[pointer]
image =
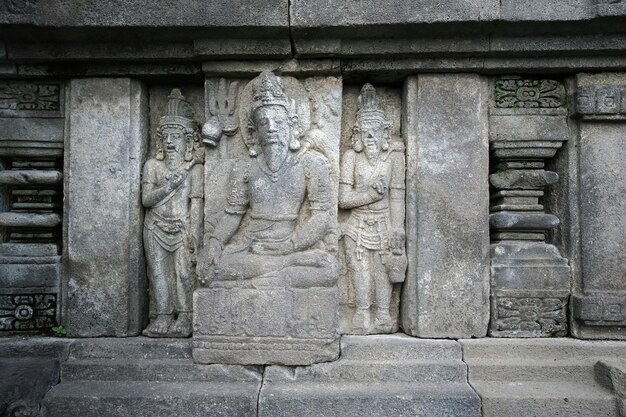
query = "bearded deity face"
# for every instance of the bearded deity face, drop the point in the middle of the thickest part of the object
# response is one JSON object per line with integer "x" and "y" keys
{"x": 372, "y": 135}
{"x": 173, "y": 138}
{"x": 273, "y": 130}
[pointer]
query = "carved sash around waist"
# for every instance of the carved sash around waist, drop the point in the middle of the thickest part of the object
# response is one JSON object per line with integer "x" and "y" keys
{"x": 170, "y": 233}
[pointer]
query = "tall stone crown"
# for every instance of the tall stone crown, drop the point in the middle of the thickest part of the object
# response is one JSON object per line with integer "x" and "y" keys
{"x": 368, "y": 106}
{"x": 269, "y": 91}
{"x": 178, "y": 111}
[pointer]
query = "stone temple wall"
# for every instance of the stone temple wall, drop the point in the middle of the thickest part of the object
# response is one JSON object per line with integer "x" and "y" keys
{"x": 313, "y": 208}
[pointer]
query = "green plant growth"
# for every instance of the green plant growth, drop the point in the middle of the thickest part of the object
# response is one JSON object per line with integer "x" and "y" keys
{"x": 59, "y": 331}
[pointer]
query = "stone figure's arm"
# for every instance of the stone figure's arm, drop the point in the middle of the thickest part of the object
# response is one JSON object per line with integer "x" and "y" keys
{"x": 226, "y": 228}
{"x": 348, "y": 197}
{"x": 396, "y": 202}
{"x": 228, "y": 224}
{"x": 152, "y": 193}
{"x": 318, "y": 191}
{"x": 196, "y": 210}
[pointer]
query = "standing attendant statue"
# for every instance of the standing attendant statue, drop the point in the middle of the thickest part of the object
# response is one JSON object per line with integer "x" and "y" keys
{"x": 172, "y": 193}
{"x": 372, "y": 188}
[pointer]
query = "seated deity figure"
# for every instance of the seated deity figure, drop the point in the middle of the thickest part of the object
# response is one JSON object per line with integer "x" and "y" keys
{"x": 172, "y": 193}
{"x": 371, "y": 186}
{"x": 268, "y": 194}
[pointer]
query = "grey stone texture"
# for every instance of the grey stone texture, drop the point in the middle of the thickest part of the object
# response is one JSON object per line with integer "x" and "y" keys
{"x": 104, "y": 273}
{"x": 149, "y": 377}
{"x": 28, "y": 368}
{"x": 611, "y": 374}
{"x": 542, "y": 377}
{"x": 447, "y": 286}
{"x": 269, "y": 18}
{"x": 376, "y": 375}
{"x": 599, "y": 296}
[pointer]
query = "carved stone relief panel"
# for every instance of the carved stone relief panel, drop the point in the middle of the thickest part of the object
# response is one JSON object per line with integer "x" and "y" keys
{"x": 31, "y": 198}
{"x": 529, "y": 277}
{"x": 371, "y": 199}
{"x": 172, "y": 194}
{"x": 269, "y": 263}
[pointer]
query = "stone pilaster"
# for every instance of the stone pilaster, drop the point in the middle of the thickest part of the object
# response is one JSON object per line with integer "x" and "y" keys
{"x": 529, "y": 278}
{"x": 104, "y": 271}
{"x": 445, "y": 294}
{"x": 599, "y": 295}
{"x": 31, "y": 164}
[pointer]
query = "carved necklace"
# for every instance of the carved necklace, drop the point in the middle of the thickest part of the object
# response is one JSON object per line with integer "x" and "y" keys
{"x": 273, "y": 176}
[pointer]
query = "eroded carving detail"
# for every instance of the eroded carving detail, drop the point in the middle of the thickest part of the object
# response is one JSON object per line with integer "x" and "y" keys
{"x": 222, "y": 103}
{"x": 545, "y": 316}
{"x": 372, "y": 188}
{"x": 27, "y": 311}
{"x": 606, "y": 102}
{"x": 600, "y": 310}
{"x": 172, "y": 192}
{"x": 516, "y": 93}
{"x": 21, "y": 95}
{"x": 21, "y": 6}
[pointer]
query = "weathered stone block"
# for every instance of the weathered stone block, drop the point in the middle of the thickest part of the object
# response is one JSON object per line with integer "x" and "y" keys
{"x": 602, "y": 214}
{"x": 103, "y": 257}
{"x": 376, "y": 375}
{"x": 273, "y": 325}
{"x": 447, "y": 206}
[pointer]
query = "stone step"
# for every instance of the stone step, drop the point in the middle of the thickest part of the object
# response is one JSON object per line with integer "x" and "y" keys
{"x": 390, "y": 375}
{"x": 547, "y": 399}
{"x": 130, "y": 348}
{"x": 309, "y": 399}
{"x": 535, "y": 349}
{"x": 397, "y": 347}
{"x": 508, "y": 370}
{"x": 374, "y": 371}
{"x": 152, "y": 399}
{"x": 156, "y": 370}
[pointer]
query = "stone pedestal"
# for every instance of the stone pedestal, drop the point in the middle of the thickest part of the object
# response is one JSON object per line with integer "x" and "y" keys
{"x": 529, "y": 278}
{"x": 105, "y": 284}
{"x": 445, "y": 123}
{"x": 599, "y": 296}
{"x": 290, "y": 326}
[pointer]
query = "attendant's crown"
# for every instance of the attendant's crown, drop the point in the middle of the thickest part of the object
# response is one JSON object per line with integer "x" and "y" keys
{"x": 368, "y": 106}
{"x": 178, "y": 111}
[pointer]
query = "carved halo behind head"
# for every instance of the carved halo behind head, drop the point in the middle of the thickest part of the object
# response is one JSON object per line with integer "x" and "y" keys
{"x": 270, "y": 90}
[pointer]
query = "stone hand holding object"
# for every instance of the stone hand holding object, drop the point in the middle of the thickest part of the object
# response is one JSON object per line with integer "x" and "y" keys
{"x": 212, "y": 131}
{"x": 380, "y": 185}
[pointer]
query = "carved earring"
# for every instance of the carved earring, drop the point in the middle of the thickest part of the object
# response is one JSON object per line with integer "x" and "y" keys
{"x": 294, "y": 144}
{"x": 160, "y": 155}
{"x": 385, "y": 144}
{"x": 189, "y": 148}
{"x": 357, "y": 145}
